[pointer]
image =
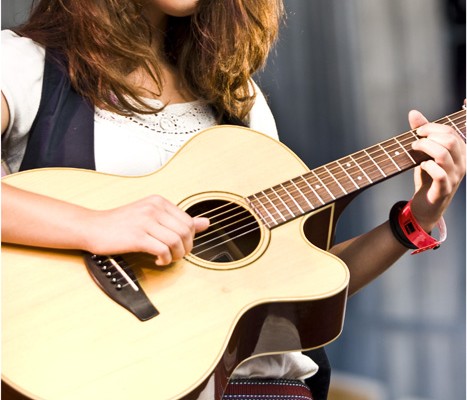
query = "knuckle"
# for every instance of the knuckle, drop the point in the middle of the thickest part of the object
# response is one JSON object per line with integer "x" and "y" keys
{"x": 164, "y": 254}
{"x": 173, "y": 242}
{"x": 156, "y": 200}
{"x": 190, "y": 224}
{"x": 186, "y": 233}
{"x": 451, "y": 142}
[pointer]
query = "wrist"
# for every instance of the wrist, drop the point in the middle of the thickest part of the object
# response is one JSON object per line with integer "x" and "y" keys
{"x": 408, "y": 231}
{"x": 426, "y": 222}
{"x": 85, "y": 232}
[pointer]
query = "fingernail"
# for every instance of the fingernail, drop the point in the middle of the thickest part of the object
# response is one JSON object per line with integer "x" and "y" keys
{"x": 421, "y": 131}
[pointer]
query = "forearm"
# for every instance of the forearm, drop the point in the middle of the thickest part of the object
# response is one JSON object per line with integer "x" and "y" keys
{"x": 35, "y": 220}
{"x": 369, "y": 255}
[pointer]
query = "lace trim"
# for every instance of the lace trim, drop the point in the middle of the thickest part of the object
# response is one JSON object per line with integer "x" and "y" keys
{"x": 173, "y": 126}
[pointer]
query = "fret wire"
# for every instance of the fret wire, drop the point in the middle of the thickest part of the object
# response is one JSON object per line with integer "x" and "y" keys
{"x": 323, "y": 185}
{"x": 374, "y": 162}
{"x": 265, "y": 209}
{"x": 370, "y": 158}
{"x": 394, "y": 145}
{"x": 401, "y": 141}
{"x": 350, "y": 177}
{"x": 361, "y": 169}
{"x": 398, "y": 141}
{"x": 357, "y": 160}
{"x": 348, "y": 167}
{"x": 373, "y": 159}
{"x": 283, "y": 202}
{"x": 273, "y": 205}
{"x": 405, "y": 150}
{"x": 456, "y": 127}
{"x": 332, "y": 176}
{"x": 414, "y": 134}
{"x": 382, "y": 147}
{"x": 313, "y": 190}
{"x": 303, "y": 195}
{"x": 292, "y": 198}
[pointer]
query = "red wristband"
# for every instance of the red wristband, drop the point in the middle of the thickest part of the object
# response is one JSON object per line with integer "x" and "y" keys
{"x": 415, "y": 233}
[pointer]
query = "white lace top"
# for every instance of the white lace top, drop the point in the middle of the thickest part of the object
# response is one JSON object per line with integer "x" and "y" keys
{"x": 154, "y": 137}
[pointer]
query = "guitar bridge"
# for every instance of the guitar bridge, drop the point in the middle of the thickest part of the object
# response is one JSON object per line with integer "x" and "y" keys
{"x": 113, "y": 275}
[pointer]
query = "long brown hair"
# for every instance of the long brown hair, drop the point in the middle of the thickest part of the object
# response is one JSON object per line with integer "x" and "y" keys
{"x": 216, "y": 50}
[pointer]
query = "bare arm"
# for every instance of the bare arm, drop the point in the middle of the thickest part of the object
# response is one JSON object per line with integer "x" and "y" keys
{"x": 152, "y": 225}
{"x": 5, "y": 114}
{"x": 369, "y": 255}
{"x": 436, "y": 182}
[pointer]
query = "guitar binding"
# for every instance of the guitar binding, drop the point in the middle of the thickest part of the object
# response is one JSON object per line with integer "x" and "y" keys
{"x": 118, "y": 281}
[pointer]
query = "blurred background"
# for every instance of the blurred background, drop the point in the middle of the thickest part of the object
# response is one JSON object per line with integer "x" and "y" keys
{"x": 343, "y": 77}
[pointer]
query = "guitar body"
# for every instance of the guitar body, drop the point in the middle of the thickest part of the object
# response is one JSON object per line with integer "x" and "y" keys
{"x": 64, "y": 338}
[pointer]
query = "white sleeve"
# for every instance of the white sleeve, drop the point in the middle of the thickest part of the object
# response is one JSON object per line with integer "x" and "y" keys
{"x": 260, "y": 117}
{"x": 22, "y": 71}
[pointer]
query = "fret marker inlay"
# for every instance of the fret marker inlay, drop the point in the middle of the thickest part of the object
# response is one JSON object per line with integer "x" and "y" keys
{"x": 330, "y": 182}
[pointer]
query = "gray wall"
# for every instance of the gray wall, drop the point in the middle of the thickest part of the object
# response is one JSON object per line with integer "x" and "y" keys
{"x": 343, "y": 77}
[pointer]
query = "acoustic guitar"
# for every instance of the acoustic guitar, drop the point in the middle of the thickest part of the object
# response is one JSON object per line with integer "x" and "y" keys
{"x": 258, "y": 281}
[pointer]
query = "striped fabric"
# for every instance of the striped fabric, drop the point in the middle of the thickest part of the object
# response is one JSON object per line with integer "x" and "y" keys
{"x": 265, "y": 389}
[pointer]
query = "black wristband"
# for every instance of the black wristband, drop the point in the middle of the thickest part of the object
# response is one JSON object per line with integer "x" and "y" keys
{"x": 395, "y": 227}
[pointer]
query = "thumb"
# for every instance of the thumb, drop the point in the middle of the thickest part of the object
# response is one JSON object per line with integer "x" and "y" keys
{"x": 416, "y": 119}
{"x": 201, "y": 224}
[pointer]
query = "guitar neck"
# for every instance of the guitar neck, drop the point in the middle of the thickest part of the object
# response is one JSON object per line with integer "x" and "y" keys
{"x": 330, "y": 182}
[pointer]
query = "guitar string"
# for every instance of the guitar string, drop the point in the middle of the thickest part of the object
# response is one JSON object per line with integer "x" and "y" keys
{"x": 339, "y": 162}
{"x": 254, "y": 222}
{"x": 327, "y": 167}
{"x": 210, "y": 232}
{"x": 226, "y": 241}
{"x": 121, "y": 280}
{"x": 230, "y": 239}
{"x": 343, "y": 172}
{"x": 221, "y": 222}
{"x": 244, "y": 211}
{"x": 396, "y": 144}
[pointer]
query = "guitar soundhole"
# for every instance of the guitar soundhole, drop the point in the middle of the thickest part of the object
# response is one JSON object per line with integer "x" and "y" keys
{"x": 233, "y": 233}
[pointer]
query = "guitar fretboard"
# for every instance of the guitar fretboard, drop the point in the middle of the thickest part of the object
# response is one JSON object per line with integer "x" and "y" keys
{"x": 332, "y": 181}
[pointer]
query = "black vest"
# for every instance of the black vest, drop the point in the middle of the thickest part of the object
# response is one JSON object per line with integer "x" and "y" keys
{"x": 62, "y": 134}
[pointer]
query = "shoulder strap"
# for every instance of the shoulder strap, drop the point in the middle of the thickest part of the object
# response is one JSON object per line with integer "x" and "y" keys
{"x": 62, "y": 134}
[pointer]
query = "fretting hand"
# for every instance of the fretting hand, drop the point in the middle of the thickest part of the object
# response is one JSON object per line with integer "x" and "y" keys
{"x": 436, "y": 180}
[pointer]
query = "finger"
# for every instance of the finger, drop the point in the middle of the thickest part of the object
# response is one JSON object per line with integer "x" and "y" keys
{"x": 418, "y": 179}
{"x": 441, "y": 133}
{"x": 157, "y": 248}
{"x": 187, "y": 232}
{"x": 444, "y": 150}
{"x": 440, "y": 150}
{"x": 166, "y": 244}
{"x": 201, "y": 224}
{"x": 183, "y": 218}
{"x": 174, "y": 219}
{"x": 175, "y": 233}
{"x": 440, "y": 185}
